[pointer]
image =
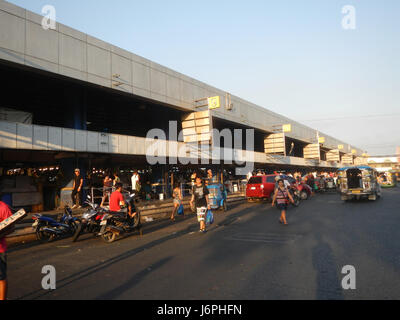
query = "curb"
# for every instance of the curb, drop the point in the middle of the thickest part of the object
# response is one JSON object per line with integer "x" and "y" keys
{"x": 150, "y": 213}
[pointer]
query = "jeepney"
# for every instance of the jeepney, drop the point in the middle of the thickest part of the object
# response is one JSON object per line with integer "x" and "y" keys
{"x": 359, "y": 183}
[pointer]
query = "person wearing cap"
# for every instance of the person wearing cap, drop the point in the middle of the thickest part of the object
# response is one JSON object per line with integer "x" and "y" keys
{"x": 77, "y": 189}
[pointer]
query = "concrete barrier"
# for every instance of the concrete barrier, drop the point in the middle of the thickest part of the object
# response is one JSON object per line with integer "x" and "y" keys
{"x": 156, "y": 210}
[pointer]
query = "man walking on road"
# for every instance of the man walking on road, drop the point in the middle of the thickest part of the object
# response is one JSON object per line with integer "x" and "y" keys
{"x": 5, "y": 213}
{"x": 201, "y": 202}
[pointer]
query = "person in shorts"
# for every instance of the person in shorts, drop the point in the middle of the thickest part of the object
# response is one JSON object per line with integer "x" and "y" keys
{"x": 107, "y": 189}
{"x": 282, "y": 197}
{"x": 177, "y": 196}
{"x": 201, "y": 202}
{"x": 5, "y": 213}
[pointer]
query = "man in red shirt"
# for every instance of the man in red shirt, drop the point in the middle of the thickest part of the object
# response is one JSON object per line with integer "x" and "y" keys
{"x": 5, "y": 213}
{"x": 117, "y": 199}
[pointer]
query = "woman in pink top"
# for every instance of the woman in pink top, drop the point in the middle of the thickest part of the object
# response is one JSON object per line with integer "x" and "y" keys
{"x": 282, "y": 197}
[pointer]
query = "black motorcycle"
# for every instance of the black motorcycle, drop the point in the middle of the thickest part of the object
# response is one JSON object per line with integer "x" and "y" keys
{"x": 90, "y": 221}
{"x": 295, "y": 193}
{"x": 115, "y": 224}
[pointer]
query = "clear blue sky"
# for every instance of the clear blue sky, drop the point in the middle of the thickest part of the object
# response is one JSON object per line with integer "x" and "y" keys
{"x": 292, "y": 57}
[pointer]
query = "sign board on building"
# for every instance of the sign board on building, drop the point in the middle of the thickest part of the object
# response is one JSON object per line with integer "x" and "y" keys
{"x": 287, "y": 128}
{"x": 214, "y": 102}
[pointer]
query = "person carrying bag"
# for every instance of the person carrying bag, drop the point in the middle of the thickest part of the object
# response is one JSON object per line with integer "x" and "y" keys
{"x": 282, "y": 197}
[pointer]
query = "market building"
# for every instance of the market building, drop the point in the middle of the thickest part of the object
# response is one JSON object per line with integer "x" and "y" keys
{"x": 71, "y": 100}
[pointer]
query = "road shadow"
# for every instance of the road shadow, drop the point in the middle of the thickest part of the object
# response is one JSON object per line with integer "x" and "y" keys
{"x": 328, "y": 283}
{"x": 81, "y": 274}
{"x": 132, "y": 282}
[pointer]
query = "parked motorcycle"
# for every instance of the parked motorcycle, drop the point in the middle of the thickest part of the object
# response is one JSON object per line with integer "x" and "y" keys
{"x": 48, "y": 229}
{"x": 90, "y": 221}
{"x": 320, "y": 185}
{"x": 115, "y": 224}
{"x": 295, "y": 193}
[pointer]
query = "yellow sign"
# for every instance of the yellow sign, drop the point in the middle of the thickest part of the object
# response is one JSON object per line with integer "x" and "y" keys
{"x": 287, "y": 128}
{"x": 214, "y": 102}
{"x": 321, "y": 140}
{"x": 340, "y": 147}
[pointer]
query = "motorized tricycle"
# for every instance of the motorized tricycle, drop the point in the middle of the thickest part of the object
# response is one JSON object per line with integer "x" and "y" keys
{"x": 359, "y": 182}
{"x": 218, "y": 196}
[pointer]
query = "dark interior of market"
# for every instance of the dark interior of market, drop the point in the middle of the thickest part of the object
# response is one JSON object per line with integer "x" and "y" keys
{"x": 64, "y": 102}
{"x": 59, "y": 101}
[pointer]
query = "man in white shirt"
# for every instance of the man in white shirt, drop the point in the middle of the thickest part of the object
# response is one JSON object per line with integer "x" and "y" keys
{"x": 135, "y": 181}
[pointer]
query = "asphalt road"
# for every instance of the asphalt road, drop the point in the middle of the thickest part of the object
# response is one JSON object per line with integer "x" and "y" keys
{"x": 246, "y": 255}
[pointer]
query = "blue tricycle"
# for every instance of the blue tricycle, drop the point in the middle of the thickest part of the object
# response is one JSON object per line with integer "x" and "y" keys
{"x": 218, "y": 196}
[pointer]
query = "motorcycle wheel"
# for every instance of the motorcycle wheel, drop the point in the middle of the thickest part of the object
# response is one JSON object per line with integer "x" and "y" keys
{"x": 42, "y": 235}
{"x": 136, "y": 222}
{"x": 303, "y": 195}
{"x": 296, "y": 201}
{"x": 108, "y": 237}
{"x": 78, "y": 232}
{"x": 72, "y": 228}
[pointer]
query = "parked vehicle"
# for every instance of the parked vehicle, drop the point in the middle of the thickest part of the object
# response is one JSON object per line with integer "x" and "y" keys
{"x": 115, "y": 224}
{"x": 388, "y": 180}
{"x": 396, "y": 174}
{"x": 304, "y": 189}
{"x": 330, "y": 185}
{"x": 320, "y": 184}
{"x": 90, "y": 221}
{"x": 48, "y": 229}
{"x": 260, "y": 187}
{"x": 218, "y": 196}
{"x": 359, "y": 182}
{"x": 295, "y": 195}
